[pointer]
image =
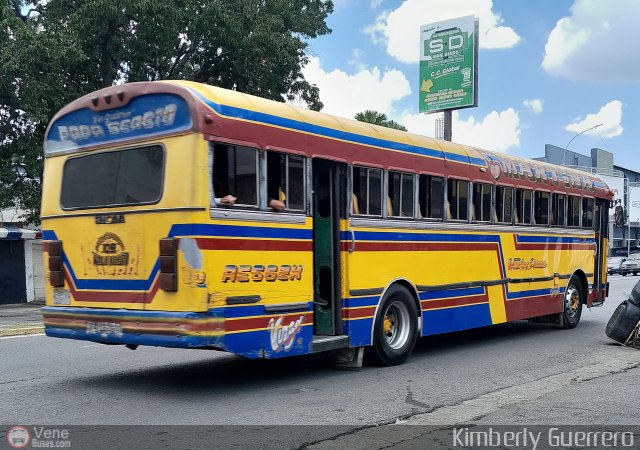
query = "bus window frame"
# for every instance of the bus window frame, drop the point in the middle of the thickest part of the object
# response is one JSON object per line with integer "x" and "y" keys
{"x": 448, "y": 203}
{"x": 554, "y": 196}
{"x": 259, "y": 188}
{"x": 443, "y": 196}
{"x": 582, "y": 212}
{"x": 579, "y": 197}
{"x": 351, "y": 185}
{"x": 533, "y": 207}
{"x": 495, "y": 201}
{"x": 402, "y": 174}
{"x": 515, "y": 209}
{"x": 264, "y": 195}
{"x": 473, "y": 206}
{"x": 71, "y": 156}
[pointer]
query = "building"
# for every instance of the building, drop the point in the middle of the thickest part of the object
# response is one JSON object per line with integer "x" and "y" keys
{"x": 625, "y": 183}
{"x": 21, "y": 260}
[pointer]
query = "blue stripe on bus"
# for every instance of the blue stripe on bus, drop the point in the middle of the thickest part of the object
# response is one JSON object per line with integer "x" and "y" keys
{"x": 438, "y": 321}
{"x": 451, "y": 293}
{"x": 269, "y": 119}
{"x": 553, "y": 239}
{"x": 354, "y": 302}
{"x": 239, "y": 231}
{"x": 420, "y": 237}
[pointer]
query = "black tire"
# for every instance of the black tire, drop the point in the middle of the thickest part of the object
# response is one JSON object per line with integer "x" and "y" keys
{"x": 624, "y": 274}
{"x": 635, "y": 274}
{"x": 572, "y": 303}
{"x": 395, "y": 328}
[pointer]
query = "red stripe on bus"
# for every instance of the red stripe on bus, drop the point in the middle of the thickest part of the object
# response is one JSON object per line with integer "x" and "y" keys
{"x": 419, "y": 246}
{"x": 254, "y": 244}
{"x": 358, "y": 313}
{"x": 252, "y": 323}
{"x": 451, "y": 302}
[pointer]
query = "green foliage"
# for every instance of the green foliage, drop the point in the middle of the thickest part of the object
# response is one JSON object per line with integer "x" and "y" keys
{"x": 56, "y": 52}
{"x": 378, "y": 118}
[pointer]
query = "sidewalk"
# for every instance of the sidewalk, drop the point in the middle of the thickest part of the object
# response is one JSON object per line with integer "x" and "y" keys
{"x": 21, "y": 318}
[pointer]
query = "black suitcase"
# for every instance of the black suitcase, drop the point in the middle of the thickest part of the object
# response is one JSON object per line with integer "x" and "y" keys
{"x": 623, "y": 321}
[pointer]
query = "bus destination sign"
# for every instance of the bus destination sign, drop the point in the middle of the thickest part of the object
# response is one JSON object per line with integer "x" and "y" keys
{"x": 147, "y": 115}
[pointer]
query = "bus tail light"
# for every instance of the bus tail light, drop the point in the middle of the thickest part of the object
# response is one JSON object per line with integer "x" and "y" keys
{"x": 56, "y": 274}
{"x": 168, "y": 264}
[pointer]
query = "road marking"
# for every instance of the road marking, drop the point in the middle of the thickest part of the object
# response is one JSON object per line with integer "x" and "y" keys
{"x": 21, "y": 336}
{"x": 468, "y": 410}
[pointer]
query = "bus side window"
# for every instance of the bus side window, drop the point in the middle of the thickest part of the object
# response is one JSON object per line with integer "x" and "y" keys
{"x": 235, "y": 172}
{"x": 541, "y": 204}
{"x": 558, "y": 210}
{"x": 366, "y": 197}
{"x": 587, "y": 212}
{"x": 286, "y": 181}
{"x": 431, "y": 197}
{"x": 481, "y": 198}
{"x": 523, "y": 207}
{"x": 504, "y": 197}
{"x": 457, "y": 196}
{"x": 573, "y": 216}
{"x": 400, "y": 194}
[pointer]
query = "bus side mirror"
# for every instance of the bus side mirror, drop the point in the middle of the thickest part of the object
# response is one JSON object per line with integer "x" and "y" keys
{"x": 618, "y": 216}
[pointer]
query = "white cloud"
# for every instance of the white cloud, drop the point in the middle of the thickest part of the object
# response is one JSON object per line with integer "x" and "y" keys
{"x": 498, "y": 131}
{"x": 376, "y": 3}
{"x": 535, "y": 105}
{"x": 345, "y": 94}
{"x": 376, "y": 30}
{"x": 401, "y": 29}
{"x": 609, "y": 117}
{"x": 597, "y": 42}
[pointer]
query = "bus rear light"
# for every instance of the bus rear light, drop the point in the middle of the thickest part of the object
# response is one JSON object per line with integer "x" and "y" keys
{"x": 56, "y": 276}
{"x": 168, "y": 264}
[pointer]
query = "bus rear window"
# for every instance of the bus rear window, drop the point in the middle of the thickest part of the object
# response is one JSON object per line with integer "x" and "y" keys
{"x": 123, "y": 177}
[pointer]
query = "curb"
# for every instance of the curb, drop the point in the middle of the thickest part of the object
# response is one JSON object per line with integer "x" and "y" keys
{"x": 21, "y": 331}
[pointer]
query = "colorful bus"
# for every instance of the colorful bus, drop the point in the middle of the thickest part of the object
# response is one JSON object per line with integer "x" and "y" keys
{"x": 178, "y": 214}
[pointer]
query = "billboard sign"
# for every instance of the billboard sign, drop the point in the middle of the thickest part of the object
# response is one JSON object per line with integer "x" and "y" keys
{"x": 448, "y": 64}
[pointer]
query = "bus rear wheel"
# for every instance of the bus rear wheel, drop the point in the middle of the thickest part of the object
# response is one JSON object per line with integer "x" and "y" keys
{"x": 395, "y": 328}
{"x": 573, "y": 300}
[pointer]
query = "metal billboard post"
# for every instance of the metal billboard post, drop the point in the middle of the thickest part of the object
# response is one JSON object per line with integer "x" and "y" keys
{"x": 447, "y": 125}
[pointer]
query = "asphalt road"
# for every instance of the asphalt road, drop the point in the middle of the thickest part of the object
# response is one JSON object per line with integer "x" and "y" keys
{"x": 508, "y": 374}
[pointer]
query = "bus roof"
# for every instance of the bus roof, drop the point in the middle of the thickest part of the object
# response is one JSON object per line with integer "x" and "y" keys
{"x": 140, "y": 111}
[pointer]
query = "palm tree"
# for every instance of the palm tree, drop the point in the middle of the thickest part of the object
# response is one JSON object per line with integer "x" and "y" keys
{"x": 378, "y": 118}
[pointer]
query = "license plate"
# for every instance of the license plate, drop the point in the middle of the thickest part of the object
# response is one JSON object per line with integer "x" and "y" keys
{"x": 104, "y": 328}
{"x": 61, "y": 297}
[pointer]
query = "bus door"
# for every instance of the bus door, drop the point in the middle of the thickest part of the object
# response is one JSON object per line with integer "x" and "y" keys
{"x": 602, "y": 230}
{"x": 329, "y": 194}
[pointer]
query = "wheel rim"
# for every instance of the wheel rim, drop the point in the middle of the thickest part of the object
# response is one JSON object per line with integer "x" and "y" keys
{"x": 395, "y": 322}
{"x": 572, "y": 302}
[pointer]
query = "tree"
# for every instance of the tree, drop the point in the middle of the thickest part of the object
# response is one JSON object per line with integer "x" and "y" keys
{"x": 56, "y": 51}
{"x": 378, "y": 118}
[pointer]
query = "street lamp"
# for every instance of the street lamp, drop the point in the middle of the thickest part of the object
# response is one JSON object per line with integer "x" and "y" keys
{"x": 564, "y": 156}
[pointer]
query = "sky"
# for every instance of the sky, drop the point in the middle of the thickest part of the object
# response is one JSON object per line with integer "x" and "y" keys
{"x": 548, "y": 70}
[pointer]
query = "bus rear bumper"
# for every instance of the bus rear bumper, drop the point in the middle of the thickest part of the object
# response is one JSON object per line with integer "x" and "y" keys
{"x": 121, "y": 326}
{"x": 251, "y": 331}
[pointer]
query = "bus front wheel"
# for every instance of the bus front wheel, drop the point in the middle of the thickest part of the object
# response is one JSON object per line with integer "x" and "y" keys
{"x": 395, "y": 328}
{"x": 573, "y": 299}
